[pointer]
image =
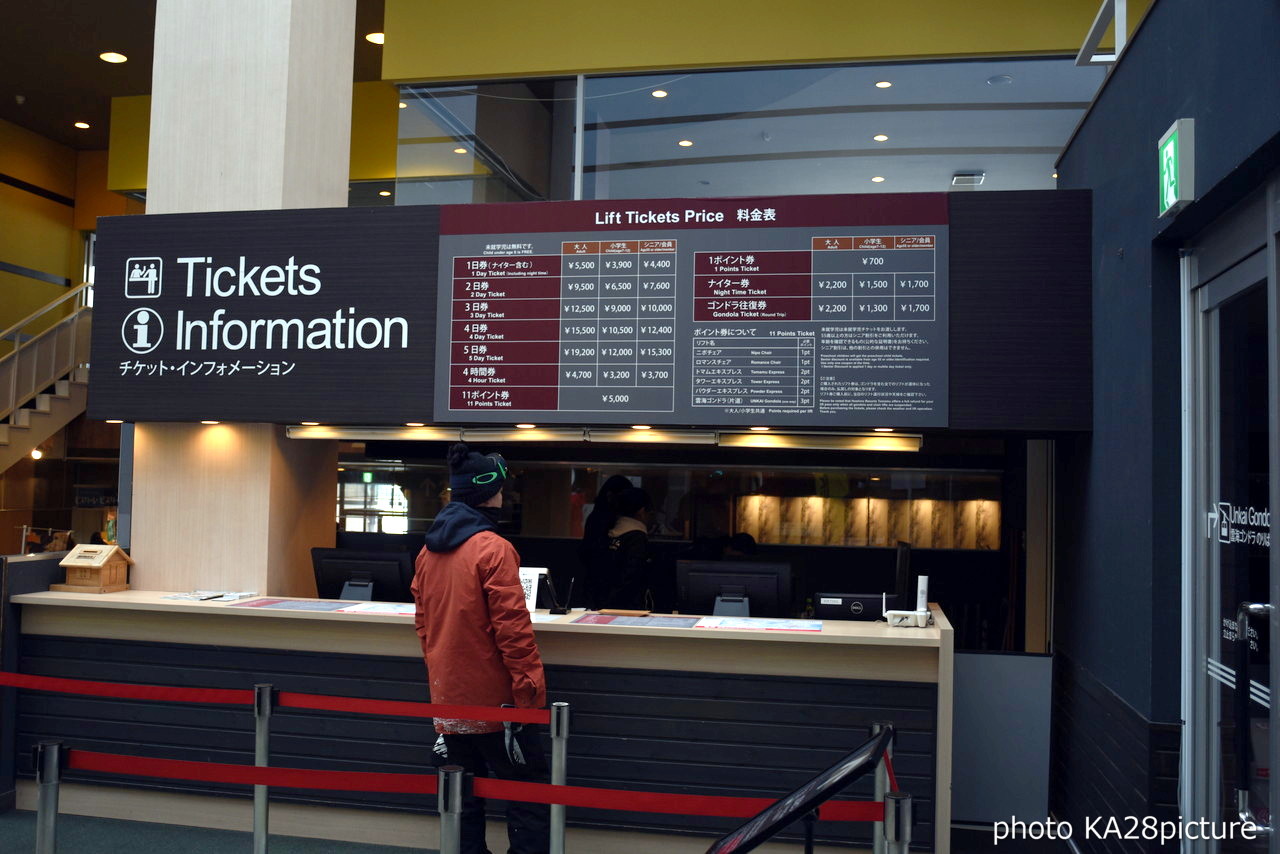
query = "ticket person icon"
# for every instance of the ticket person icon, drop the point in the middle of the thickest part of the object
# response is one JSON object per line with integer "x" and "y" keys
{"x": 142, "y": 278}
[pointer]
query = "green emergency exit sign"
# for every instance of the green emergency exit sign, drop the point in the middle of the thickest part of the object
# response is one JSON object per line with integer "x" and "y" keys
{"x": 1177, "y": 166}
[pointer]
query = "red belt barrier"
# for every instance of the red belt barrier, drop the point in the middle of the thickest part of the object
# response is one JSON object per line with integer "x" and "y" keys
{"x": 662, "y": 802}
{"x": 893, "y": 778}
{"x": 538, "y": 793}
{"x": 289, "y": 778}
{"x": 225, "y": 696}
{"x": 242, "y": 697}
{"x": 402, "y": 708}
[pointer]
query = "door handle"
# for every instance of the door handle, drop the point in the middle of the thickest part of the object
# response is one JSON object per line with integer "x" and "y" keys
{"x": 1243, "y": 613}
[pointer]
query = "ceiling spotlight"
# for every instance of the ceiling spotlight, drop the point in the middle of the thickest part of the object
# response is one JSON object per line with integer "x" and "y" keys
{"x": 1055, "y": 174}
{"x": 641, "y": 427}
{"x": 384, "y": 192}
{"x": 414, "y": 424}
{"x": 879, "y": 179}
{"x": 883, "y": 84}
{"x": 759, "y": 429}
{"x": 376, "y": 38}
{"x": 310, "y": 423}
{"x": 36, "y": 453}
{"x": 459, "y": 151}
{"x": 880, "y": 137}
{"x": 114, "y": 421}
{"x": 113, "y": 57}
{"x": 82, "y": 125}
{"x": 685, "y": 143}
{"x": 659, "y": 93}
{"x": 403, "y": 105}
{"x": 525, "y": 426}
{"x": 210, "y": 422}
{"x": 884, "y": 429}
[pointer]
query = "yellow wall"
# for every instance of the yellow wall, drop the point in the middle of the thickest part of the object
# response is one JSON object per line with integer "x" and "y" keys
{"x": 130, "y": 130}
{"x": 447, "y": 41}
{"x": 35, "y": 232}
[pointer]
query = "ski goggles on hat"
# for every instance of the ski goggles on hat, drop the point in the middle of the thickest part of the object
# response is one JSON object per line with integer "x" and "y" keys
{"x": 500, "y": 473}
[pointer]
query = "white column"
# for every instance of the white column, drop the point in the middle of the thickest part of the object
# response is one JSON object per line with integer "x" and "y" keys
{"x": 250, "y": 110}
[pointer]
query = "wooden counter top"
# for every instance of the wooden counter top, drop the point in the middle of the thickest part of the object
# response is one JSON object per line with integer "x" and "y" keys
{"x": 833, "y": 631}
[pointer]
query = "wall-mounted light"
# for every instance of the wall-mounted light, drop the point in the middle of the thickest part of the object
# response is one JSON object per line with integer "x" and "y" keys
{"x": 376, "y": 38}
{"x": 113, "y": 57}
{"x": 36, "y": 453}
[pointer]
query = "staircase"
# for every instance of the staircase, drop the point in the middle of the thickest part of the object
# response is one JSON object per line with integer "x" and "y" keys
{"x": 44, "y": 379}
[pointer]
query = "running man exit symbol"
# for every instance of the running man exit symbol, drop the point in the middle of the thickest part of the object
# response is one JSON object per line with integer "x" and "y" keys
{"x": 142, "y": 277}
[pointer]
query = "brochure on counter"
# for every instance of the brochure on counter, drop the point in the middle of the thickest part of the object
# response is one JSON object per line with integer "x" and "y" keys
{"x": 759, "y": 624}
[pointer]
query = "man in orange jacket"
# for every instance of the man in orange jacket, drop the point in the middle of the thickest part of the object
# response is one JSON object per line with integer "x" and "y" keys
{"x": 478, "y": 643}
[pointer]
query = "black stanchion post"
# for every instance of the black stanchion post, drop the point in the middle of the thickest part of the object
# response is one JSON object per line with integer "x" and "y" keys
{"x": 881, "y": 787}
{"x": 451, "y": 779}
{"x": 810, "y": 819}
{"x": 559, "y": 762}
{"x": 897, "y": 822}
{"x": 48, "y": 760}
{"x": 264, "y": 700}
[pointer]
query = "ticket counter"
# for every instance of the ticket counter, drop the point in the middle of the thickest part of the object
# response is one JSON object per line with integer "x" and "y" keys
{"x": 702, "y": 711}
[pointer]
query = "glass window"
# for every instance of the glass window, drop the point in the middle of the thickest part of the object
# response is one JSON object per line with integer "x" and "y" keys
{"x": 829, "y": 129}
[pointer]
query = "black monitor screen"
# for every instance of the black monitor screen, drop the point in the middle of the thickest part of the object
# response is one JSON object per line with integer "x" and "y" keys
{"x": 766, "y": 585}
{"x": 390, "y": 572}
{"x": 902, "y": 573}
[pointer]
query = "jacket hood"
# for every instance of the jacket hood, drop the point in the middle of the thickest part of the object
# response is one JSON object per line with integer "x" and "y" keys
{"x": 455, "y": 524}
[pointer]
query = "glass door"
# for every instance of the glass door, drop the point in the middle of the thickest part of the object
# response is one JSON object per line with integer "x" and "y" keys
{"x": 1236, "y": 554}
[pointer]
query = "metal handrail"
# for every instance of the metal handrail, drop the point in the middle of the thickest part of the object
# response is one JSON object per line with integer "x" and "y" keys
{"x": 78, "y": 289}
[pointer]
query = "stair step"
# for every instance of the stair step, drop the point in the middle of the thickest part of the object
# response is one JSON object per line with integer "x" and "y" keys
{"x": 44, "y": 403}
{"x": 80, "y": 375}
{"x": 4, "y": 434}
{"x": 62, "y": 388}
{"x": 22, "y": 417}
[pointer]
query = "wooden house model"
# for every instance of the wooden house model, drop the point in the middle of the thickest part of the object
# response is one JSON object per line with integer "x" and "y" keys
{"x": 95, "y": 569}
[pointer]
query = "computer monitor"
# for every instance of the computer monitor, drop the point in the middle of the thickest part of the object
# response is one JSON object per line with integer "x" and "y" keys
{"x": 363, "y": 576}
{"x": 766, "y": 586}
{"x": 902, "y": 574}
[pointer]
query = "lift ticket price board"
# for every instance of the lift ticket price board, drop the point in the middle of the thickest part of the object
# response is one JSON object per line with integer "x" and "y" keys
{"x": 793, "y": 311}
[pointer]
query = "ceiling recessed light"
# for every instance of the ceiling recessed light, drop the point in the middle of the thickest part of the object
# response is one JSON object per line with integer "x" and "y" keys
{"x": 884, "y": 429}
{"x": 403, "y": 105}
{"x": 685, "y": 143}
{"x": 641, "y": 427}
{"x": 968, "y": 179}
{"x": 880, "y": 137}
{"x": 114, "y": 421}
{"x": 376, "y": 38}
{"x": 875, "y": 478}
{"x": 525, "y": 426}
{"x": 36, "y": 453}
{"x": 877, "y": 180}
{"x": 210, "y": 422}
{"x": 883, "y": 84}
{"x": 310, "y": 423}
{"x": 414, "y": 424}
{"x": 1000, "y": 80}
{"x": 113, "y": 57}
{"x": 659, "y": 93}
{"x": 459, "y": 151}
{"x": 1055, "y": 174}
{"x": 82, "y": 125}
{"x": 384, "y": 192}
{"x": 760, "y": 429}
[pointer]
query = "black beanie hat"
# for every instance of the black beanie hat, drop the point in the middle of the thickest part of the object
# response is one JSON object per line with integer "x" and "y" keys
{"x": 475, "y": 478}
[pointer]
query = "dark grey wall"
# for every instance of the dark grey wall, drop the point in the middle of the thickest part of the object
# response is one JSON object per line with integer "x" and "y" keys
{"x": 1118, "y": 583}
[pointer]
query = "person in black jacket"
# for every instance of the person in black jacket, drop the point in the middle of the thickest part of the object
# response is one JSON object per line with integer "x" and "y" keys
{"x": 593, "y": 550}
{"x": 626, "y": 562}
